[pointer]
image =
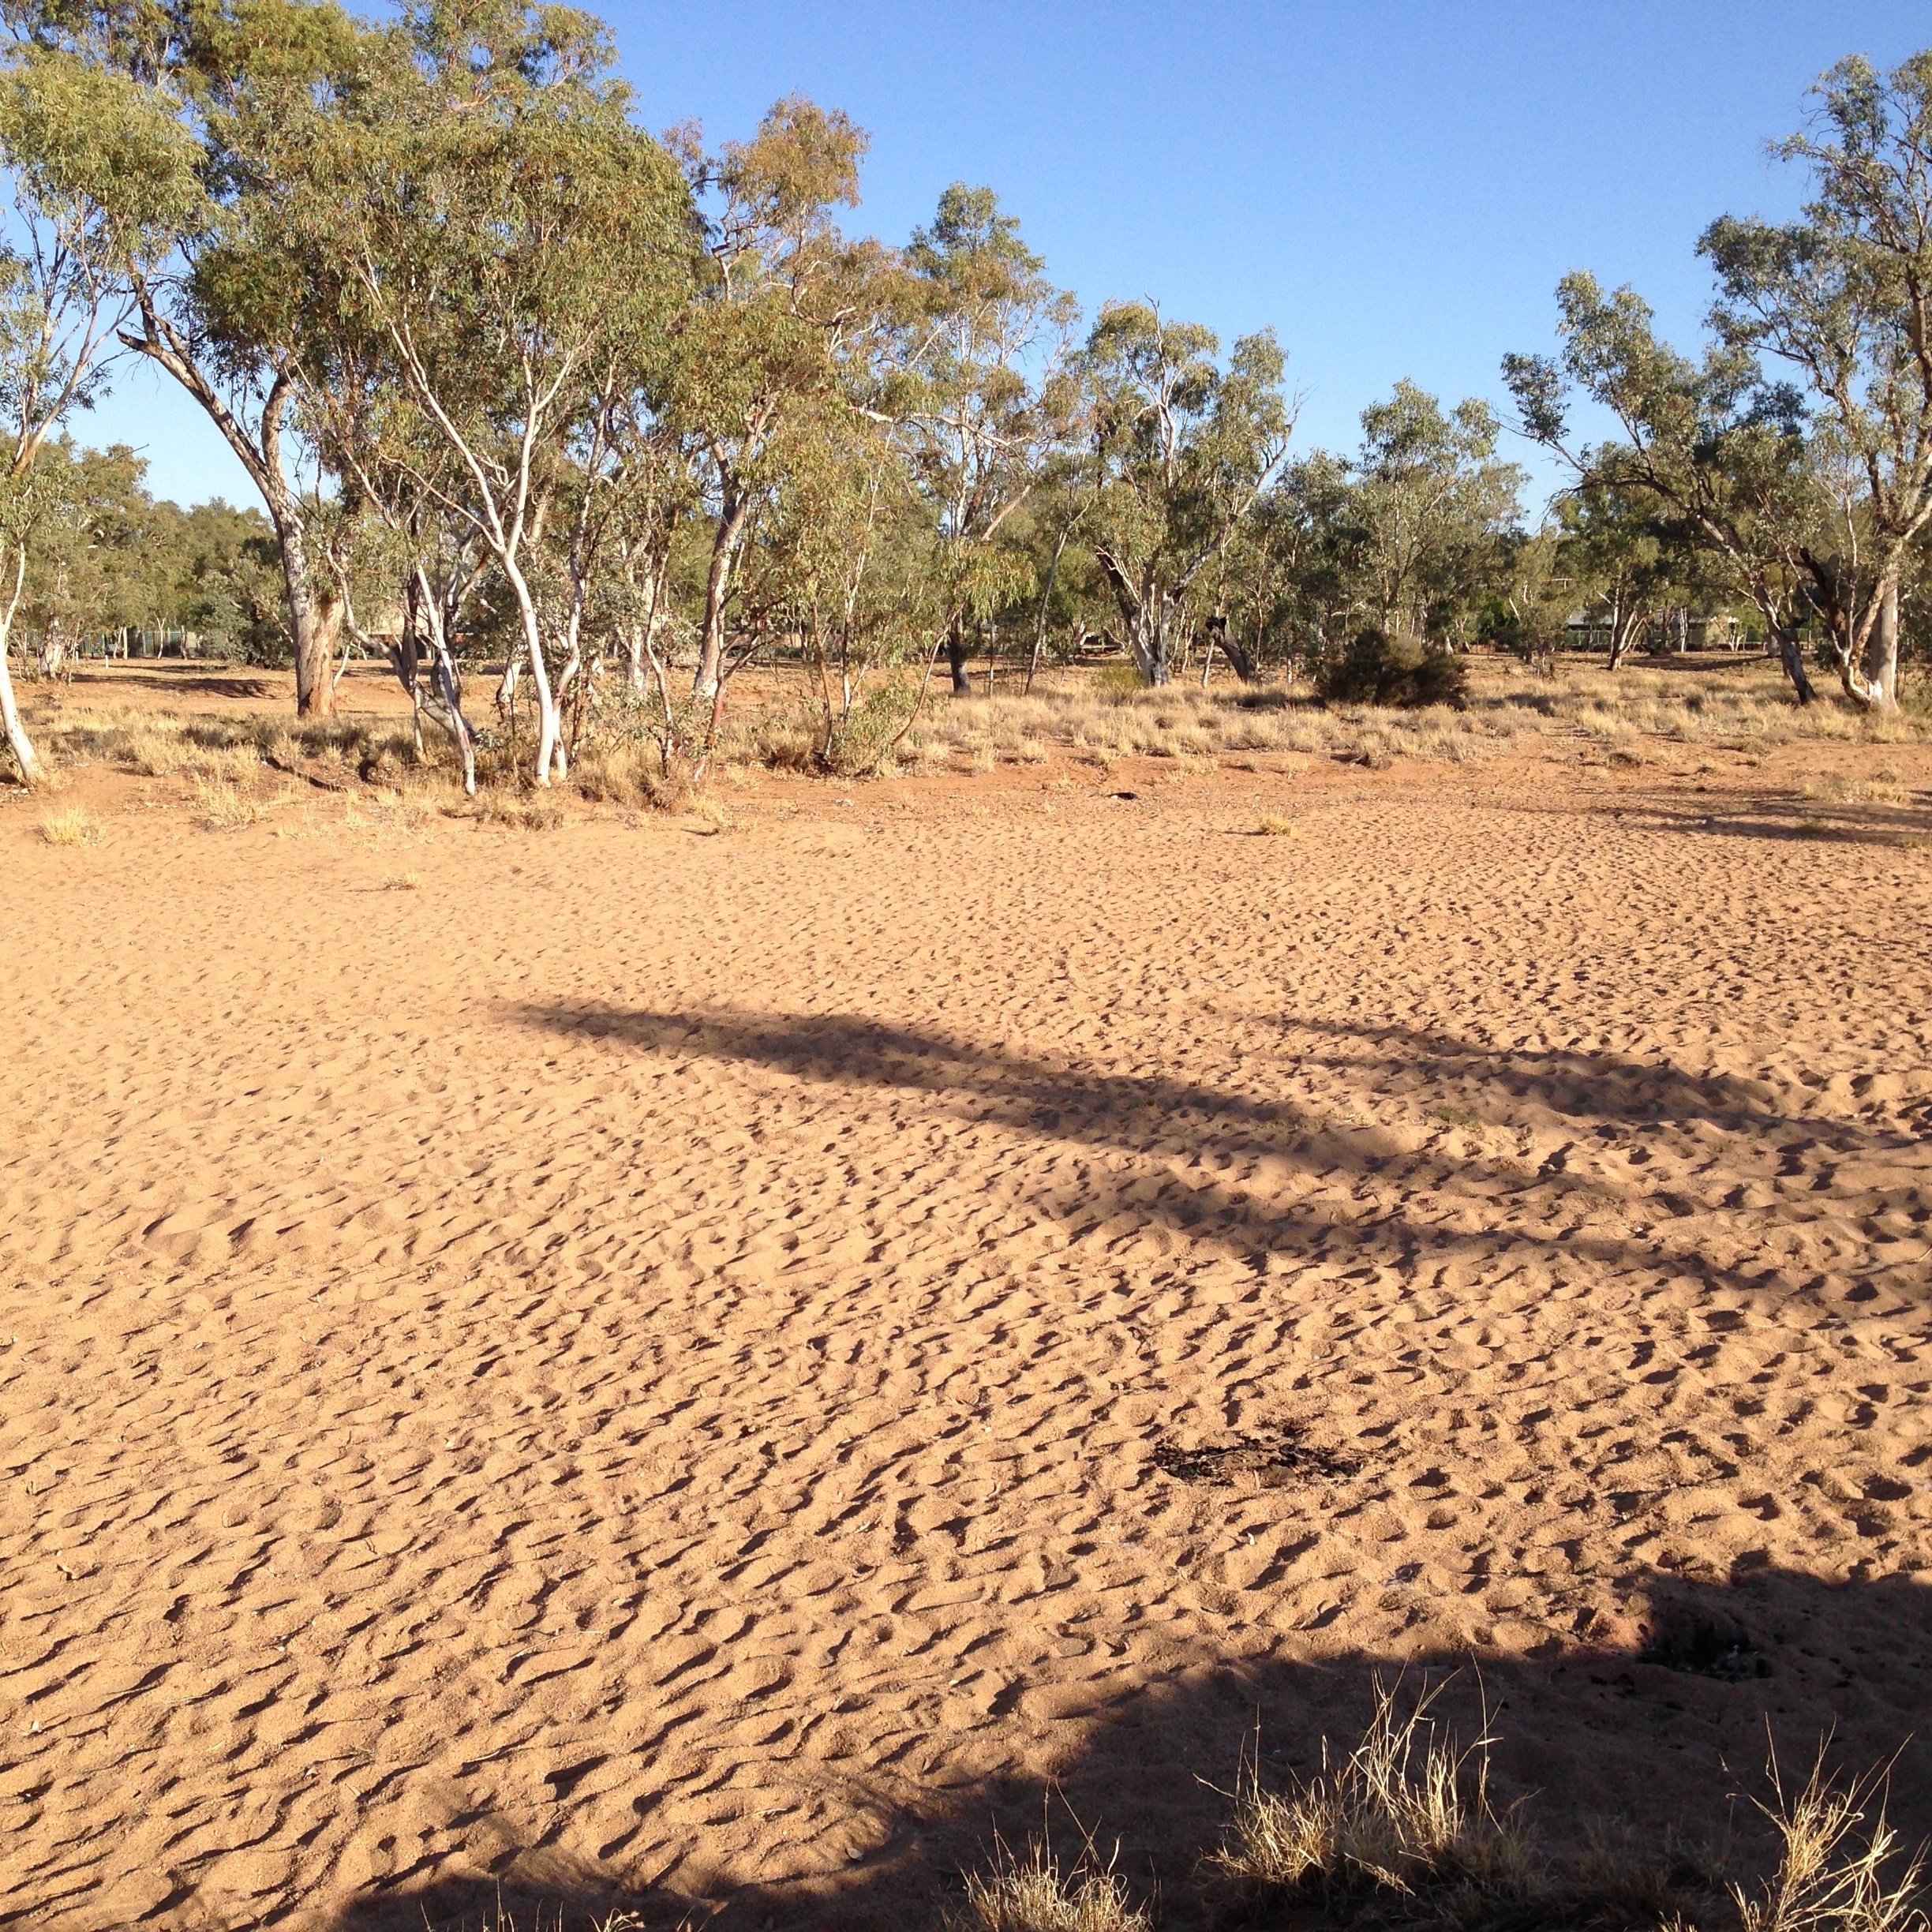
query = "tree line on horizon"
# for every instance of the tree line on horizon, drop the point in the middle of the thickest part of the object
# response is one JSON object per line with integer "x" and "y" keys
{"x": 514, "y": 378}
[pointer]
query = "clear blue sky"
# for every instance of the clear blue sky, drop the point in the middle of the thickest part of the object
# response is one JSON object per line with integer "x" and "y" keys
{"x": 1395, "y": 185}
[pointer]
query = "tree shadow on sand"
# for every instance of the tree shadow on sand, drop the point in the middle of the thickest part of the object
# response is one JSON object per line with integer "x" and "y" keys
{"x": 1660, "y": 1727}
{"x": 188, "y": 680}
{"x": 1560, "y": 1209}
{"x": 1792, "y": 819}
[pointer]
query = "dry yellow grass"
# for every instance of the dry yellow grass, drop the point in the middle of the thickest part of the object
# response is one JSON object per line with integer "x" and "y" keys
{"x": 1029, "y": 1893}
{"x": 71, "y": 827}
{"x": 517, "y": 814}
{"x": 1107, "y": 718}
{"x": 221, "y": 806}
{"x": 1403, "y": 1832}
{"x": 1839, "y": 1868}
{"x": 1408, "y": 1813}
{"x": 1100, "y": 715}
{"x": 1882, "y": 789}
{"x": 715, "y": 813}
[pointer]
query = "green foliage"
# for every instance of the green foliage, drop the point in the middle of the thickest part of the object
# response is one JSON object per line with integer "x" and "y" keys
{"x": 1376, "y": 669}
{"x": 565, "y": 391}
{"x": 1435, "y": 509}
{"x": 107, "y": 556}
{"x": 1182, "y": 448}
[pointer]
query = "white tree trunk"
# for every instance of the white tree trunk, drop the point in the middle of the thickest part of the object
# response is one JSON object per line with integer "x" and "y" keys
{"x": 32, "y": 770}
{"x": 1882, "y": 647}
{"x": 550, "y": 753}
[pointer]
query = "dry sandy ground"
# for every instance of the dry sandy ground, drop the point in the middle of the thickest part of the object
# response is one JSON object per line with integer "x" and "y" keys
{"x": 661, "y": 1366}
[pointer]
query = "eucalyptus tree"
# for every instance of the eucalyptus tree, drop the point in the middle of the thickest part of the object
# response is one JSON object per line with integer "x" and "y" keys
{"x": 652, "y": 488}
{"x": 102, "y": 557}
{"x": 101, "y": 184}
{"x": 789, "y": 314}
{"x": 1289, "y": 572}
{"x": 1433, "y": 506}
{"x": 845, "y": 556}
{"x": 1181, "y": 449}
{"x": 1619, "y": 557}
{"x": 1844, "y": 295}
{"x": 479, "y": 210}
{"x": 985, "y": 397}
{"x": 1057, "y": 507}
{"x": 1718, "y": 451}
{"x": 396, "y": 551}
{"x": 202, "y": 310}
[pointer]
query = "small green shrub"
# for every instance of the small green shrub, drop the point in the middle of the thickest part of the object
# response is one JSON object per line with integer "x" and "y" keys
{"x": 1378, "y": 669}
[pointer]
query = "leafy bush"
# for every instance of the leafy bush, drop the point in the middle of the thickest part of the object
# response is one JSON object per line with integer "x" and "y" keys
{"x": 1378, "y": 669}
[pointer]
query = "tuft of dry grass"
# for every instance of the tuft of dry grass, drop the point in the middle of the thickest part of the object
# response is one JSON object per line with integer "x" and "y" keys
{"x": 220, "y": 807}
{"x": 389, "y": 812}
{"x": 1404, "y": 1832}
{"x": 500, "y": 1918}
{"x": 1277, "y": 827}
{"x": 1882, "y": 789}
{"x": 715, "y": 813}
{"x": 72, "y": 827}
{"x": 1406, "y": 1815}
{"x": 1029, "y": 1892}
{"x": 402, "y": 882}
{"x": 1838, "y": 1867}
{"x": 516, "y": 813}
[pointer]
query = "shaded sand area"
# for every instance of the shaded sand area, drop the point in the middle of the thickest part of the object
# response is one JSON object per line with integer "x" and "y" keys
{"x": 674, "y": 1367}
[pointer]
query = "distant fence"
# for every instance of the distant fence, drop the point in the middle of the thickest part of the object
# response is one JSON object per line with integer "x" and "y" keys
{"x": 143, "y": 644}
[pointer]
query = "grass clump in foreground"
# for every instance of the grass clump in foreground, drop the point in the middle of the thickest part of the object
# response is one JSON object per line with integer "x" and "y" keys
{"x": 220, "y": 807}
{"x": 1404, "y": 1833}
{"x": 1402, "y": 1830}
{"x": 1838, "y": 1872}
{"x": 71, "y": 827}
{"x": 1029, "y": 1892}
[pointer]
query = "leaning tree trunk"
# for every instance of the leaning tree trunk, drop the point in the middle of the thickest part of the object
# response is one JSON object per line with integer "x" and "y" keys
{"x": 1222, "y": 633}
{"x": 1792, "y": 657}
{"x": 31, "y": 771}
{"x": 448, "y": 711}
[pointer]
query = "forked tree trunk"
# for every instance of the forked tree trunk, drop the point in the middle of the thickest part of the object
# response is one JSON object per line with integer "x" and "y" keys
{"x": 1148, "y": 641}
{"x": 1624, "y": 623}
{"x": 724, "y": 546}
{"x": 313, "y": 621}
{"x": 405, "y": 660}
{"x": 955, "y": 661}
{"x": 448, "y": 711}
{"x": 640, "y": 640}
{"x": 551, "y": 755}
{"x": 311, "y": 629}
{"x": 1882, "y": 650}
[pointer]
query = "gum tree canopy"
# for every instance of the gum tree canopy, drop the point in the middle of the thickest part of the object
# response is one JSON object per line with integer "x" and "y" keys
{"x": 1843, "y": 295}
